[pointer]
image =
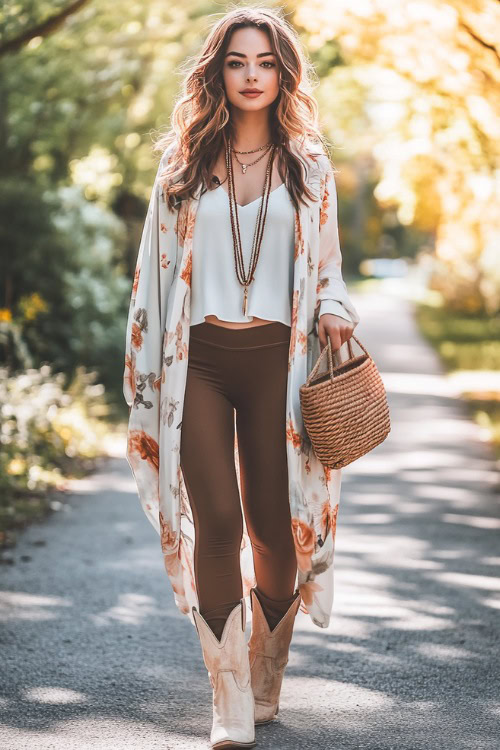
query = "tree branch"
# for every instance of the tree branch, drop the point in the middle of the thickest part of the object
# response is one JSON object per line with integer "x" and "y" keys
{"x": 478, "y": 39}
{"x": 43, "y": 29}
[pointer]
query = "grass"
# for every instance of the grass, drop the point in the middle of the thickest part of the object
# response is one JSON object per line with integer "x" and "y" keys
{"x": 470, "y": 343}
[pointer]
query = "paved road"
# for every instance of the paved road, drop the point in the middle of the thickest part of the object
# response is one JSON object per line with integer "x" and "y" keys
{"x": 94, "y": 653}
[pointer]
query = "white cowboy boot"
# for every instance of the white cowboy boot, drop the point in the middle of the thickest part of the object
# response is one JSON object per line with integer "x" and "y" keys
{"x": 268, "y": 653}
{"x": 229, "y": 673}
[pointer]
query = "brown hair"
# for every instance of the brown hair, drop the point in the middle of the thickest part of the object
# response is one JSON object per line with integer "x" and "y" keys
{"x": 200, "y": 121}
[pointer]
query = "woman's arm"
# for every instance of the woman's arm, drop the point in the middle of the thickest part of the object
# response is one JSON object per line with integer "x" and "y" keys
{"x": 332, "y": 294}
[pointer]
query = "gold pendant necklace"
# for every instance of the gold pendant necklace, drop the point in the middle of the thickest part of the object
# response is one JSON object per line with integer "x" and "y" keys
{"x": 244, "y": 167}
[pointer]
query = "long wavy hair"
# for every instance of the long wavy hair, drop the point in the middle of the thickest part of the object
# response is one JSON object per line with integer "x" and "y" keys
{"x": 201, "y": 123}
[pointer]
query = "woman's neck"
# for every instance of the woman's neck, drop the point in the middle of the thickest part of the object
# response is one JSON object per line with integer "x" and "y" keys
{"x": 251, "y": 130}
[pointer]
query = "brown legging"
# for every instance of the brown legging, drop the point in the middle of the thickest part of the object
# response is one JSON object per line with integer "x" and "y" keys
{"x": 245, "y": 370}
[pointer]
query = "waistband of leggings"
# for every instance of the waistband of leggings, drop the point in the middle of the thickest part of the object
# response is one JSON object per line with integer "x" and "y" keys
{"x": 251, "y": 337}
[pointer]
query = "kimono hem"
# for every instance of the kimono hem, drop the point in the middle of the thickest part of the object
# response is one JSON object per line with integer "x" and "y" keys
{"x": 154, "y": 380}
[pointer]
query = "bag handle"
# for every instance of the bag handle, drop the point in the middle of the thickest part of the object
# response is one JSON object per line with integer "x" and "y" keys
{"x": 328, "y": 349}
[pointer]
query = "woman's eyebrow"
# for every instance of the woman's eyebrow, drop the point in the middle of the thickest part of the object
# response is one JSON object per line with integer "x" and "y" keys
{"x": 240, "y": 54}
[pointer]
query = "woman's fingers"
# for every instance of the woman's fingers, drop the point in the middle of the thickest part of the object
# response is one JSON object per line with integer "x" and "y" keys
{"x": 337, "y": 329}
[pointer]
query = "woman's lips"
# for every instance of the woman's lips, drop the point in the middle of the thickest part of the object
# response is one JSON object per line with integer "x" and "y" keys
{"x": 251, "y": 94}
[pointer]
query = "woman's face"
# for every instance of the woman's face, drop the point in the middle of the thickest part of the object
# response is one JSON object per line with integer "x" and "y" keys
{"x": 250, "y": 63}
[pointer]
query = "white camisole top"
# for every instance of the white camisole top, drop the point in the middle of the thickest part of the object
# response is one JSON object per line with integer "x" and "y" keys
{"x": 215, "y": 289}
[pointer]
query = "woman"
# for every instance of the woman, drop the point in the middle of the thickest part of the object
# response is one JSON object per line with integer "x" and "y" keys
{"x": 238, "y": 285}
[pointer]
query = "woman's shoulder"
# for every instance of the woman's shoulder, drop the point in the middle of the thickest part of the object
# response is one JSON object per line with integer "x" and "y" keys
{"x": 312, "y": 153}
{"x": 168, "y": 153}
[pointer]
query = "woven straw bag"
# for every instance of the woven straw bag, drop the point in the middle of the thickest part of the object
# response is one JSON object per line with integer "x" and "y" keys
{"x": 345, "y": 410}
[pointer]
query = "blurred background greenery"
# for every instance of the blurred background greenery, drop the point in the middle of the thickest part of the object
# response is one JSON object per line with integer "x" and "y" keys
{"x": 408, "y": 95}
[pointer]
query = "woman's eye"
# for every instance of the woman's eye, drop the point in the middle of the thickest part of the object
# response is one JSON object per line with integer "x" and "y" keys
{"x": 235, "y": 62}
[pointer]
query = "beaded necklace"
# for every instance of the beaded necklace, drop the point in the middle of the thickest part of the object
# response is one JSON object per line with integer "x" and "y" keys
{"x": 246, "y": 279}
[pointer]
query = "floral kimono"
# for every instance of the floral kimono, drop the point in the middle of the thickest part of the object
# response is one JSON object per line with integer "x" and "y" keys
{"x": 156, "y": 361}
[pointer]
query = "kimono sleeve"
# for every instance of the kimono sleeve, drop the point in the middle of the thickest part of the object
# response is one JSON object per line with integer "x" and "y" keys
{"x": 334, "y": 308}
{"x": 332, "y": 291}
{"x": 147, "y": 309}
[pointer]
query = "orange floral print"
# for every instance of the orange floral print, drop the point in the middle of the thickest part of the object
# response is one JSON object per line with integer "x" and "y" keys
{"x": 302, "y": 340}
{"x": 325, "y": 204}
{"x": 129, "y": 375}
{"x": 180, "y": 226}
{"x": 171, "y": 563}
{"x": 186, "y": 273}
{"x": 333, "y": 520}
{"x": 180, "y": 345}
{"x": 293, "y": 436}
{"x": 136, "y": 336}
{"x": 186, "y": 223}
{"x": 307, "y": 465}
{"x": 322, "y": 284}
{"x": 325, "y": 518}
{"x": 136, "y": 281}
{"x": 168, "y": 538}
{"x": 143, "y": 445}
{"x": 293, "y": 328}
{"x": 304, "y": 540}
{"x": 299, "y": 242}
{"x": 139, "y": 326}
{"x": 307, "y": 591}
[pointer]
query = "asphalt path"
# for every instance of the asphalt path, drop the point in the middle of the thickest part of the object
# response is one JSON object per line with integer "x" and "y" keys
{"x": 94, "y": 653}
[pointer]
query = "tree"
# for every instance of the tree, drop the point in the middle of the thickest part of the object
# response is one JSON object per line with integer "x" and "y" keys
{"x": 431, "y": 72}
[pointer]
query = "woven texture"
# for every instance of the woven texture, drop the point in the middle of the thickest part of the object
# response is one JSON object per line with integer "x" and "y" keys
{"x": 345, "y": 410}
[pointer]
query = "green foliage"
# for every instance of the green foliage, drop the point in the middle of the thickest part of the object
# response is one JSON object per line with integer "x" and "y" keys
{"x": 468, "y": 342}
{"x": 44, "y": 429}
{"x": 326, "y": 57}
{"x": 78, "y": 105}
{"x": 66, "y": 290}
{"x": 81, "y": 99}
{"x": 464, "y": 341}
{"x": 366, "y": 230}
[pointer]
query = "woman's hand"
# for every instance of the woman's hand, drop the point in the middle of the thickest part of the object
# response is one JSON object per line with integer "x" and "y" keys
{"x": 338, "y": 329}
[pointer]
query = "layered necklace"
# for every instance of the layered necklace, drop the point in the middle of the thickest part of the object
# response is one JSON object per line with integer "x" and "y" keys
{"x": 246, "y": 279}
